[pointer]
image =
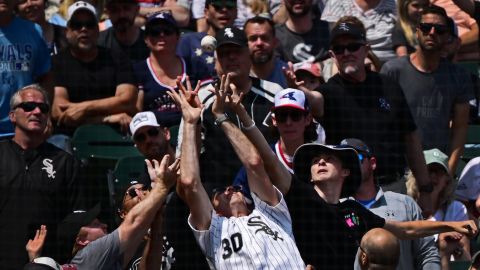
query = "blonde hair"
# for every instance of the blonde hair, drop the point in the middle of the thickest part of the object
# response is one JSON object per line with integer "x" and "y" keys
{"x": 446, "y": 197}
{"x": 405, "y": 21}
{"x": 257, "y": 6}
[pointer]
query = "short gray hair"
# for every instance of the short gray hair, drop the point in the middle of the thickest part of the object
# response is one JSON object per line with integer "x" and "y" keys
{"x": 16, "y": 98}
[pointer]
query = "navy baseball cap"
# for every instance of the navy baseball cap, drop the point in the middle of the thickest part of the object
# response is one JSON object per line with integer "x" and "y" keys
{"x": 161, "y": 16}
{"x": 358, "y": 145}
{"x": 231, "y": 35}
{"x": 347, "y": 29}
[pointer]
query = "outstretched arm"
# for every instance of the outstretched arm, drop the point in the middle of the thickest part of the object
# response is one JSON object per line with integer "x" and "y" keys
{"x": 258, "y": 180}
{"x": 190, "y": 186}
{"x": 423, "y": 228}
{"x": 278, "y": 174}
{"x": 140, "y": 217}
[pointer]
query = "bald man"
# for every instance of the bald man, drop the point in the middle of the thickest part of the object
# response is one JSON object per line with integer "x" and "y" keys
{"x": 379, "y": 250}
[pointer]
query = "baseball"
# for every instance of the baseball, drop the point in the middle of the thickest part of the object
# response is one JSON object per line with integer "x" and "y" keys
{"x": 209, "y": 43}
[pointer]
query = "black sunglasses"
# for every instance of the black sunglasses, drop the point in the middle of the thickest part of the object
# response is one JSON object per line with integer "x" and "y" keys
{"x": 30, "y": 106}
{"x": 141, "y": 137}
{"x": 427, "y": 27}
{"x": 157, "y": 30}
{"x": 295, "y": 115}
{"x": 78, "y": 25}
{"x": 219, "y": 5}
{"x": 236, "y": 188}
{"x": 351, "y": 47}
{"x": 132, "y": 191}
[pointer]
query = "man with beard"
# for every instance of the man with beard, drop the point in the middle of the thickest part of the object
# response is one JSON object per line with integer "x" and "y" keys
{"x": 441, "y": 90}
{"x": 303, "y": 38}
{"x": 260, "y": 32}
{"x": 369, "y": 106}
{"x": 219, "y": 14}
{"x": 124, "y": 35}
{"x": 92, "y": 84}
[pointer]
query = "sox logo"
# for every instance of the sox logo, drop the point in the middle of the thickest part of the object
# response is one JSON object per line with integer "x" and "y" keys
{"x": 49, "y": 168}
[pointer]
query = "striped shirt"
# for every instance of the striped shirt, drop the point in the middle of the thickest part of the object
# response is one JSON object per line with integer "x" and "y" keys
{"x": 261, "y": 240}
{"x": 379, "y": 23}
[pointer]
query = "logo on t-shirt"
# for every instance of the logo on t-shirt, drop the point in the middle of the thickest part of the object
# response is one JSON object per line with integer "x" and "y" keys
{"x": 352, "y": 220}
{"x": 384, "y": 104}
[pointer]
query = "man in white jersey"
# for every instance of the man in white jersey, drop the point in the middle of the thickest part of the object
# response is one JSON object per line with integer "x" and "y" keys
{"x": 232, "y": 232}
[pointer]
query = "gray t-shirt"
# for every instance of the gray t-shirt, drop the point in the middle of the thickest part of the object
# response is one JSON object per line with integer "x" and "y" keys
{"x": 103, "y": 253}
{"x": 431, "y": 97}
{"x": 421, "y": 253}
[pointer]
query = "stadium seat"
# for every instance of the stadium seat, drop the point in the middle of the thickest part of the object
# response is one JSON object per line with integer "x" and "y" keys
{"x": 459, "y": 265}
{"x": 472, "y": 145}
{"x": 102, "y": 141}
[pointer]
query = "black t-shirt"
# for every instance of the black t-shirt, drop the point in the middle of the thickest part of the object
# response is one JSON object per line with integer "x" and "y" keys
{"x": 136, "y": 52}
{"x": 327, "y": 236}
{"x": 310, "y": 46}
{"x": 95, "y": 79}
{"x": 374, "y": 111}
{"x": 219, "y": 163}
{"x": 92, "y": 80}
{"x": 38, "y": 186}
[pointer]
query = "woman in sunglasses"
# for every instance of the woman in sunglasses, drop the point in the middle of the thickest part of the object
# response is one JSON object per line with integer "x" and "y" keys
{"x": 160, "y": 72}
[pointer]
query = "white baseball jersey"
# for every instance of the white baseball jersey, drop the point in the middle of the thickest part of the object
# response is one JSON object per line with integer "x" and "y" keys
{"x": 261, "y": 240}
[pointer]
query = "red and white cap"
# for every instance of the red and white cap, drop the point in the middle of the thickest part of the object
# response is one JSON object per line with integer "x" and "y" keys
{"x": 312, "y": 68}
{"x": 292, "y": 98}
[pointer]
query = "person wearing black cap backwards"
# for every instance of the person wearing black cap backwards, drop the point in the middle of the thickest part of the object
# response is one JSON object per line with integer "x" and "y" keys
{"x": 420, "y": 253}
{"x": 327, "y": 231}
{"x": 369, "y": 106}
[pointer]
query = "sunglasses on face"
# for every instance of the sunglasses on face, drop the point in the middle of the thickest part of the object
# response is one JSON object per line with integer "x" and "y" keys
{"x": 427, "y": 28}
{"x": 78, "y": 25}
{"x": 236, "y": 188}
{"x": 30, "y": 106}
{"x": 228, "y": 5}
{"x": 295, "y": 115}
{"x": 141, "y": 137}
{"x": 132, "y": 192}
{"x": 362, "y": 157}
{"x": 158, "y": 30}
{"x": 351, "y": 47}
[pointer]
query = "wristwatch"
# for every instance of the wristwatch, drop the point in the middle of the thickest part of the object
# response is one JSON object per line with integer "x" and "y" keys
{"x": 427, "y": 188}
{"x": 222, "y": 118}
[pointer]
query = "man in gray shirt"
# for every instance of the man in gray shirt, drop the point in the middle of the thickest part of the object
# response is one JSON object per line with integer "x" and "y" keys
{"x": 436, "y": 90}
{"x": 418, "y": 254}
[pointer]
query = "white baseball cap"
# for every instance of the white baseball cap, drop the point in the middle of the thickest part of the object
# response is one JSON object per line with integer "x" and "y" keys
{"x": 143, "y": 119}
{"x": 47, "y": 261}
{"x": 292, "y": 98}
{"x": 80, "y": 5}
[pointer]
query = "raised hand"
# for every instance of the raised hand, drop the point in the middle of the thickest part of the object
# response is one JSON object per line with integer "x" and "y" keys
{"x": 34, "y": 246}
{"x": 162, "y": 173}
{"x": 290, "y": 76}
{"x": 190, "y": 95}
{"x": 192, "y": 110}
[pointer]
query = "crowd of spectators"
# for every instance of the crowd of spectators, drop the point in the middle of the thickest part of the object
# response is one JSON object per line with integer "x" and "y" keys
{"x": 311, "y": 133}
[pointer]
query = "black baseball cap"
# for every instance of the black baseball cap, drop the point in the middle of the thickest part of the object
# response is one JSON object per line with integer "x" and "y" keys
{"x": 358, "y": 145}
{"x": 231, "y": 35}
{"x": 228, "y": 3}
{"x": 161, "y": 16}
{"x": 302, "y": 160}
{"x": 347, "y": 29}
